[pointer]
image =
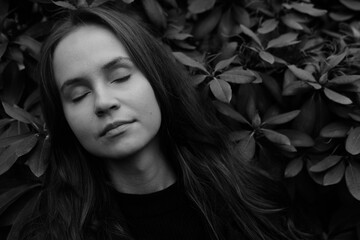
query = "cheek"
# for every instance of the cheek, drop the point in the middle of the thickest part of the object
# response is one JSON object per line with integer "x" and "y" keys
{"x": 154, "y": 116}
{"x": 152, "y": 110}
{"x": 147, "y": 107}
{"x": 78, "y": 122}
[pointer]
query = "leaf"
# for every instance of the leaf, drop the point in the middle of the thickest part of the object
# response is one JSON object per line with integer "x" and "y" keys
{"x": 352, "y": 177}
{"x": 4, "y": 142}
{"x": 339, "y": 110}
{"x": 5, "y": 122}
{"x": 323, "y": 78}
{"x": 268, "y": 26}
{"x": 199, "y": 6}
{"x": 256, "y": 120}
{"x": 10, "y": 196}
{"x": 251, "y": 34}
{"x": 281, "y": 61}
{"x": 171, "y": 3}
{"x": 295, "y": 88}
{"x": 208, "y": 23}
{"x": 29, "y": 45}
{"x": 32, "y": 99}
{"x": 224, "y": 63}
{"x": 337, "y": 97}
{"x": 271, "y": 111}
{"x": 345, "y": 79}
{"x": 250, "y": 106}
{"x": 239, "y": 135}
{"x": 97, "y": 3}
{"x": 298, "y": 138}
{"x": 282, "y": 118}
{"x": 16, "y": 55}
{"x": 82, "y": 4}
{"x": 266, "y": 56}
{"x": 64, "y": 4}
{"x": 294, "y": 167}
{"x": 7, "y": 158}
{"x": 197, "y": 79}
{"x": 276, "y": 137}
{"x": 302, "y": 74}
{"x": 284, "y": 40}
{"x": 230, "y": 112}
{"x": 352, "y": 144}
{"x": 352, "y": 87}
{"x": 38, "y": 160}
{"x": 221, "y": 90}
{"x": 4, "y": 7}
{"x": 334, "y": 175}
{"x": 246, "y": 148}
{"x": 238, "y": 75}
{"x": 326, "y": 163}
{"x": 155, "y": 13}
{"x": 272, "y": 86}
{"x": 351, "y": 4}
{"x": 19, "y": 114}
{"x": 340, "y": 17}
{"x": 333, "y": 60}
{"x": 27, "y": 144}
{"x": 3, "y": 43}
{"x": 13, "y": 84}
{"x": 258, "y": 77}
{"x": 317, "y": 177}
{"x": 172, "y": 30}
{"x": 315, "y": 85}
{"x": 178, "y": 36}
{"x": 335, "y": 130}
{"x": 228, "y": 50}
{"x": 287, "y": 148}
{"x": 3, "y": 47}
{"x": 188, "y": 61}
{"x": 314, "y": 115}
{"x": 241, "y": 16}
{"x": 292, "y": 21}
{"x": 308, "y": 8}
{"x": 226, "y": 26}
{"x": 184, "y": 45}
{"x": 354, "y": 117}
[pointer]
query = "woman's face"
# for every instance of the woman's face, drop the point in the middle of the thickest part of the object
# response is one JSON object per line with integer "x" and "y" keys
{"x": 108, "y": 103}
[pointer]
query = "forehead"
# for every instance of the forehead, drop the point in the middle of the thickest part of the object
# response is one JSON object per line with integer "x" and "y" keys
{"x": 84, "y": 51}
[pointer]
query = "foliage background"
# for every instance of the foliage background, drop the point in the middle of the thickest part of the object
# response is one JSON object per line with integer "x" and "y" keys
{"x": 284, "y": 75}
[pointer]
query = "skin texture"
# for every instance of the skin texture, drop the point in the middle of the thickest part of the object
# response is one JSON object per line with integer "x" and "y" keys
{"x": 99, "y": 85}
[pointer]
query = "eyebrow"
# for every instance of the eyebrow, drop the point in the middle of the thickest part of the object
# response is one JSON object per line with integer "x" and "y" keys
{"x": 114, "y": 63}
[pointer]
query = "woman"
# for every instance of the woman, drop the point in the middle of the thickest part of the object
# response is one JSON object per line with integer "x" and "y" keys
{"x": 135, "y": 152}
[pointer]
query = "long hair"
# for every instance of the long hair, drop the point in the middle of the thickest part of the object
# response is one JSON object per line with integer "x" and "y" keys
{"x": 224, "y": 188}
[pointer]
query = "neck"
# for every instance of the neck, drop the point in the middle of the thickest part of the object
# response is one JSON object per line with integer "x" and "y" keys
{"x": 144, "y": 172}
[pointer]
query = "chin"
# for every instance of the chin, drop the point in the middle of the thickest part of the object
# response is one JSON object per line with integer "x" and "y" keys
{"x": 117, "y": 153}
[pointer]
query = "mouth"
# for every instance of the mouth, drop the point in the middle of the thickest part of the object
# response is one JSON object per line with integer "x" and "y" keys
{"x": 114, "y": 128}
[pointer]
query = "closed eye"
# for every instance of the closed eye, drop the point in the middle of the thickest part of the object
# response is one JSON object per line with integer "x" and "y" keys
{"x": 78, "y": 98}
{"x": 123, "y": 79}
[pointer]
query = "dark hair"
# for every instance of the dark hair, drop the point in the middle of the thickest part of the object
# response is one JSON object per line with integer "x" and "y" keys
{"x": 222, "y": 186}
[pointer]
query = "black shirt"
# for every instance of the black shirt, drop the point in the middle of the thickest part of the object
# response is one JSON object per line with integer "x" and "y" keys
{"x": 166, "y": 214}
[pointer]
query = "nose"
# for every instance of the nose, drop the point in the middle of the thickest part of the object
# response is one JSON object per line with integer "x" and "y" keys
{"x": 105, "y": 102}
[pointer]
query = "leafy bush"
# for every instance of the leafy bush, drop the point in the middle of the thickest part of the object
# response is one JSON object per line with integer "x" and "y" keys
{"x": 283, "y": 74}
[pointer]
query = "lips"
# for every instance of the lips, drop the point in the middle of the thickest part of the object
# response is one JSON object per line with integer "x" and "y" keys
{"x": 112, "y": 126}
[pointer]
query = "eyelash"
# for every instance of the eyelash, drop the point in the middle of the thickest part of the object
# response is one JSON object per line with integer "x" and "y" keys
{"x": 122, "y": 79}
{"x": 77, "y": 99}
